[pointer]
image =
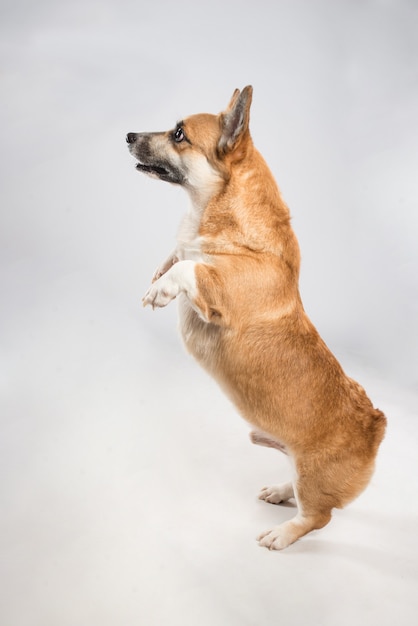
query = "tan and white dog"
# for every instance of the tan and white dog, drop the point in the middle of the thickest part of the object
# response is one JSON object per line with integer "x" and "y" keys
{"x": 235, "y": 271}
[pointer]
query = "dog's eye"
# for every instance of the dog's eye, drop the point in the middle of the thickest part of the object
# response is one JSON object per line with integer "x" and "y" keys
{"x": 178, "y": 135}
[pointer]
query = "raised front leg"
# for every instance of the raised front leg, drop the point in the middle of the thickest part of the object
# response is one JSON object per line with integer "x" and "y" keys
{"x": 179, "y": 278}
{"x": 165, "y": 266}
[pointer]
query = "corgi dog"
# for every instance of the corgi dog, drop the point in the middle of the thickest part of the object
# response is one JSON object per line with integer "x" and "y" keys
{"x": 235, "y": 273}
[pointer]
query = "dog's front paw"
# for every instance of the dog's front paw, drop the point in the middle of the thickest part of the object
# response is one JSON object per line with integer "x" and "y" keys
{"x": 161, "y": 293}
{"x": 164, "y": 267}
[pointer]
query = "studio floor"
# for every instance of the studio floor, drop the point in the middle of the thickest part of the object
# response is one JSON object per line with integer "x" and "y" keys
{"x": 129, "y": 487}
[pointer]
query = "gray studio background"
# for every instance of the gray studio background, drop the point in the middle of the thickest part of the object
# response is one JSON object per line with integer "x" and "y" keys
{"x": 127, "y": 477}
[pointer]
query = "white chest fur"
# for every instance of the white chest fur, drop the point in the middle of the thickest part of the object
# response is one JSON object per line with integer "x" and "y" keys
{"x": 189, "y": 242}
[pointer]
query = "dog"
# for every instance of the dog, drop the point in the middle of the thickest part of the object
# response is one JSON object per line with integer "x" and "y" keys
{"x": 235, "y": 272}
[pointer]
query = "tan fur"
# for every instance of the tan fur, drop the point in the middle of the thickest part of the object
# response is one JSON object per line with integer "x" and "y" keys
{"x": 246, "y": 324}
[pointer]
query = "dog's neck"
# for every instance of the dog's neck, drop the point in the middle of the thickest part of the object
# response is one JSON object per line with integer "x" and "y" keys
{"x": 239, "y": 208}
{"x": 205, "y": 183}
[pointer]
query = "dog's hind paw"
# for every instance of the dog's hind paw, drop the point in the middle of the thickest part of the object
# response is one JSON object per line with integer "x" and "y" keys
{"x": 275, "y": 539}
{"x": 277, "y": 493}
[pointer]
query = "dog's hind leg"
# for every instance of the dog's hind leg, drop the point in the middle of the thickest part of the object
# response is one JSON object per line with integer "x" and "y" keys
{"x": 276, "y": 493}
{"x": 287, "y": 533}
{"x": 316, "y": 494}
{"x": 309, "y": 517}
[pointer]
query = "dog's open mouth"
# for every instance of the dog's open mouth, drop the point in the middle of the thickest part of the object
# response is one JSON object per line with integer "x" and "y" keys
{"x": 169, "y": 172}
{"x": 158, "y": 170}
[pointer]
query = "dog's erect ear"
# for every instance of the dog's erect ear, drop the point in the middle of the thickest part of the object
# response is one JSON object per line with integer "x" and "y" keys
{"x": 233, "y": 100}
{"x": 235, "y": 119}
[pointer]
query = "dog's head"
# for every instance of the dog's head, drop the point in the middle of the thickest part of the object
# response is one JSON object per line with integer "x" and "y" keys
{"x": 198, "y": 152}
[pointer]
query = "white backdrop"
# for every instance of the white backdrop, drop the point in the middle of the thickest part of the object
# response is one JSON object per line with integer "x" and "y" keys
{"x": 95, "y": 390}
{"x": 334, "y": 113}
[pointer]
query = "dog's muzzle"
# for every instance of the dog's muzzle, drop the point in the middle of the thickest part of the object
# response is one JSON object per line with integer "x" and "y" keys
{"x": 150, "y": 161}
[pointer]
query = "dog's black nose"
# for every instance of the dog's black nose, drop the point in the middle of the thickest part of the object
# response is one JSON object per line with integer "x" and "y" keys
{"x": 131, "y": 137}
